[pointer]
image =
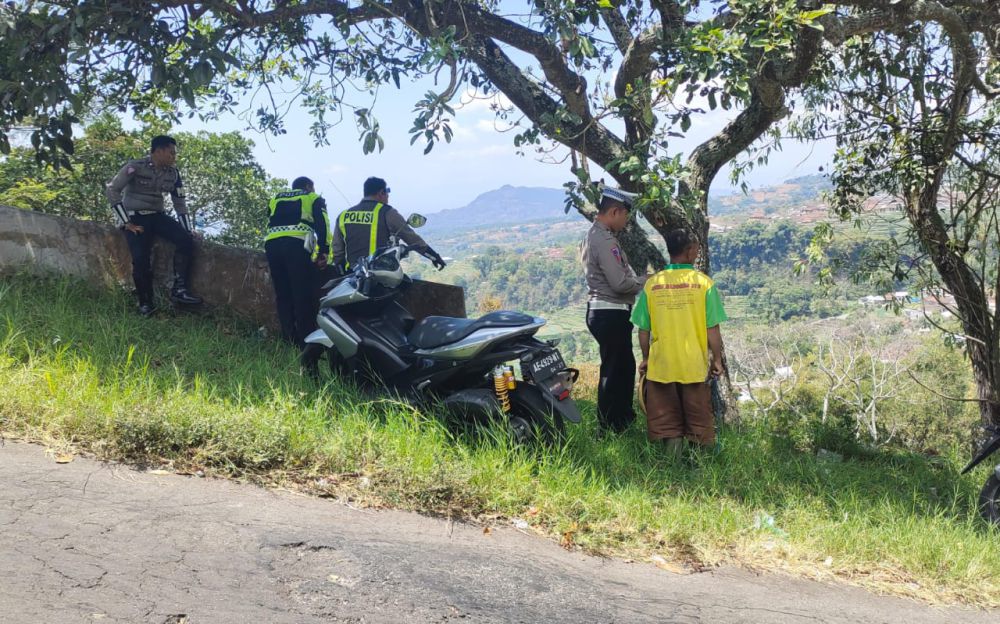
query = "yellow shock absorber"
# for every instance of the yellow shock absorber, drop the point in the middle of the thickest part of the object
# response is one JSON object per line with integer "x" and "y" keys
{"x": 508, "y": 374}
{"x": 500, "y": 387}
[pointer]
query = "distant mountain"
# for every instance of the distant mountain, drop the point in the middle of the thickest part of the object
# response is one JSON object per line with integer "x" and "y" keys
{"x": 502, "y": 207}
{"x": 512, "y": 205}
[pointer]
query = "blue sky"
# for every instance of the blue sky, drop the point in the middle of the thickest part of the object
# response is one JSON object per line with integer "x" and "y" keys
{"x": 479, "y": 158}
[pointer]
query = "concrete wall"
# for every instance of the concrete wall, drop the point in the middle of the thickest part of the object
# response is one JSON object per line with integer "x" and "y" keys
{"x": 227, "y": 277}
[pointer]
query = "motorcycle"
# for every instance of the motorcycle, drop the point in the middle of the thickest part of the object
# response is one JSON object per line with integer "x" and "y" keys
{"x": 989, "y": 497}
{"x": 366, "y": 333}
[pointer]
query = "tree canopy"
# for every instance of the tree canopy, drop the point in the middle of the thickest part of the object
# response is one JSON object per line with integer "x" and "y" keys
{"x": 908, "y": 87}
{"x": 611, "y": 81}
{"x": 226, "y": 187}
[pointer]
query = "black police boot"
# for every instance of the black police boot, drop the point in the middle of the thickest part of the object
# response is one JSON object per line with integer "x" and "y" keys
{"x": 181, "y": 295}
{"x": 146, "y": 308}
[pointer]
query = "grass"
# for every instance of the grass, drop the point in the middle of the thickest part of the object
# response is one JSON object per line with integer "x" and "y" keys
{"x": 82, "y": 371}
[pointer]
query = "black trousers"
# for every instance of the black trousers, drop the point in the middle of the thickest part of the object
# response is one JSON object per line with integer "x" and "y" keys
{"x": 613, "y": 331}
{"x": 141, "y": 247}
{"x": 293, "y": 275}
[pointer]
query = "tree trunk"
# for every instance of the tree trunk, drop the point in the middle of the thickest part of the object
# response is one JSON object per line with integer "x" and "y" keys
{"x": 986, "y": 371}
{"x": 642, "y": 254}
{"x": 981, "y": 337}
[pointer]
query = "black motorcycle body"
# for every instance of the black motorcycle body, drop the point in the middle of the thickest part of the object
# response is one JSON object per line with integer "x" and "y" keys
{"x": 365, "y": 331}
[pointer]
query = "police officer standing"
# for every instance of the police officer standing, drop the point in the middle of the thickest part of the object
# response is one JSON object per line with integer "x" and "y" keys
{"x": 367, "y": 226}
{"x": 296, "y": 228}
{"x": 612, "y": 287}
{"x": 136, "y": 196}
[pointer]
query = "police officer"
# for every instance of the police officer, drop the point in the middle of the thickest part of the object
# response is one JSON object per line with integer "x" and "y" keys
{"x": 296, "y": 228}
{"x": 136, "y": 196}
{"x": 362, "y": 229}
{"x": 612, "y": 287}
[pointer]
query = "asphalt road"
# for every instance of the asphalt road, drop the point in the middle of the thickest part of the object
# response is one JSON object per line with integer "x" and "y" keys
{"x": 92, "y": 542}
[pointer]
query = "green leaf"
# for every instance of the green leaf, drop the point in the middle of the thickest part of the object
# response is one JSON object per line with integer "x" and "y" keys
{"x": 188, "y": 93}
{"x": 808, "y": 16}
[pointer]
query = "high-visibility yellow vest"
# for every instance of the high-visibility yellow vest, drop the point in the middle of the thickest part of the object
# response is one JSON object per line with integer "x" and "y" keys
{"x": 357, "y": 226}
{"x": 329, "y": 235}
{"x": 290, "y": 214}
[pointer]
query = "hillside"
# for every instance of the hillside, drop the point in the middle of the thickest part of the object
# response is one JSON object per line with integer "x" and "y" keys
{"x": 210, "y": 395}
{"x": 801, "y": 192}
{"x": 798, "y": 199}
{"x": 502, "y": 207}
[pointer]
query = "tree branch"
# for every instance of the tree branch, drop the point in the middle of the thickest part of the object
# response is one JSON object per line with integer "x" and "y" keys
{"x": 474, "y": 20}
{"x": 618, "y": 28}
{"x": 590, "y": 138}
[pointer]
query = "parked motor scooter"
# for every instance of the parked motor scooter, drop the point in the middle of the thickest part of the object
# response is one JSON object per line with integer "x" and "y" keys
{"x": 466, "y": 364}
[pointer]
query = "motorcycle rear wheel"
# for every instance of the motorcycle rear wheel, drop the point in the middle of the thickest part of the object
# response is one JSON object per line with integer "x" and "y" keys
{"x": 989, "y": 500}
{"x": 527, "y": 425}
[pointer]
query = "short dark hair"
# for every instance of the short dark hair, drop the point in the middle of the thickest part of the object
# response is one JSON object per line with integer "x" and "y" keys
{"x": 678, "y": 241}
{"x": 301, "y": 183}
{"x": 161, "y": 141}
{"x": 374, "y": 186}
{"x": 608, "y": 203}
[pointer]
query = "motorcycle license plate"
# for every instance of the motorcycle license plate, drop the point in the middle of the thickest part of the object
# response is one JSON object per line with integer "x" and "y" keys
{"x": 547, "y": 366}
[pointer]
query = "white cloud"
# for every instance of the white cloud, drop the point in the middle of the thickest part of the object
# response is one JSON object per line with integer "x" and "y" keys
{"x": 482, "y": 152}
{"x": 475, "y": 102}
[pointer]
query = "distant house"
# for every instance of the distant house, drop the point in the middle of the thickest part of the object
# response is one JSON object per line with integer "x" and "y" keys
{"x": 784, "y": 372}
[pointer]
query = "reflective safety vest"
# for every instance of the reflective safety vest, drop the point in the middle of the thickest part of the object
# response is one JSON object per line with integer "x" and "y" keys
{"x": 360, "y": 230}
{"x": 291, "y": 214}
{"x": 329, "y": 236}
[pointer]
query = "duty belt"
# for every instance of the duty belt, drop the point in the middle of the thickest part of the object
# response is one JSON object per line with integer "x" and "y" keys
{"x": 145, "y": 212}
{"x": 597, "y": 304}
{"x": 300, "y": 228}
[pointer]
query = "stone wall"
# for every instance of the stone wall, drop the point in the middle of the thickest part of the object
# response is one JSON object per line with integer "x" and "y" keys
{"x": 229, "y": 277}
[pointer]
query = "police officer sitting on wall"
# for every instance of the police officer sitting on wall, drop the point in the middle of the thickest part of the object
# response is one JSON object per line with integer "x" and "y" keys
{"x": 136, "y": 196}
{"x": 296, "y": 227}
{"x": 362, "y": 229}
{"x": 612, "y": 286}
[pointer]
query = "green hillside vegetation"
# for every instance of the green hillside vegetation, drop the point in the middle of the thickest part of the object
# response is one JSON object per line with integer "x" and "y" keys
{"x": 537, "y": 270}
{"x": 752, "y": 263}
{"x": 81, "y": 371}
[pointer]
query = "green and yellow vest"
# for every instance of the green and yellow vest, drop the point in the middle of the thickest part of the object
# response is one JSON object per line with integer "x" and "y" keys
{"x": 290, "y": 214}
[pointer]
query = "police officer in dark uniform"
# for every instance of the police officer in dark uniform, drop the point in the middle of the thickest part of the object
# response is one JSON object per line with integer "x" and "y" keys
{"x": 136, "y": 196}
{"x": 296, "y": 228}
{"x": 362, "y": 229}
{"x": 612, "y": 286}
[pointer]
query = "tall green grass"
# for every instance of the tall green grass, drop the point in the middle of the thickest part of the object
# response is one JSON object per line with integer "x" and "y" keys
{"x": 81, "y": 369}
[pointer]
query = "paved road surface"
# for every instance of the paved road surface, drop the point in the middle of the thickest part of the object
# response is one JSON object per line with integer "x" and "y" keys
{"x": 90, "y": 542}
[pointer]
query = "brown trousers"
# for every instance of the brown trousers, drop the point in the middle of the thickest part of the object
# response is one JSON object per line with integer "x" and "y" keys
{"x": 676, "y": 410}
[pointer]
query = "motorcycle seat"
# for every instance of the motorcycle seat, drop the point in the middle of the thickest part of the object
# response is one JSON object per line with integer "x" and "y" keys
{"x": 436, "y": 331}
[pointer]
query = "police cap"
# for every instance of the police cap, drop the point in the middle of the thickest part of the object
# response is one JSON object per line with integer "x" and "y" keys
{"x": 618, "y": 195}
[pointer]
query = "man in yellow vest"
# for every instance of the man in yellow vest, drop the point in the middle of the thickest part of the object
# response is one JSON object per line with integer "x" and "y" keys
{"x": 296, "y": 227}
{"x": 678, "y": 314}
{"x": 363, "y": 228}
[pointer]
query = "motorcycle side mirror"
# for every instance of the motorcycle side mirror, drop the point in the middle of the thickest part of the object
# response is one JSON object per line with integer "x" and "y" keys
{"x": 416, "y": 220}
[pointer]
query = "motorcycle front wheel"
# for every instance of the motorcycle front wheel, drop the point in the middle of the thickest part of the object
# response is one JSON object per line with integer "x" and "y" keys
{"x": 989, "y": 500}
{"x": 309, "y": 361}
